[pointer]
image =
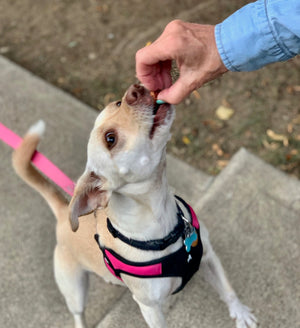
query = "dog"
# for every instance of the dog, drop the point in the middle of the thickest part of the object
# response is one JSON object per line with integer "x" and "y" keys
{"x": 142, "y": 230}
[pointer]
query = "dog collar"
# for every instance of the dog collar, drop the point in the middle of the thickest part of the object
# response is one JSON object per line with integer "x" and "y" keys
{"x": 182, "y": 263}
{"x": 156, "y": 244}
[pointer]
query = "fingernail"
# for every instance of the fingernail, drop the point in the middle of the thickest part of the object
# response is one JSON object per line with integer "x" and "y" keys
{"x": 160, "y": 102}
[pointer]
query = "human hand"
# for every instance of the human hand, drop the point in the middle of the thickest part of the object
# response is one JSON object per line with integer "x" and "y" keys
{"x": 194, "y": 49}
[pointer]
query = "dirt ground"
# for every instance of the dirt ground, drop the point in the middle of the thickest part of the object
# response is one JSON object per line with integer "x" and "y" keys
{"x": 87, "y": 48}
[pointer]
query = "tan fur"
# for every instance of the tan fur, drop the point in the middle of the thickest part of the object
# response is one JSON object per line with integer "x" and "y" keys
{"x": 23, "y": 167}
{"x": 79, "y": 249}
{"x": 123, "y": 121}
{"x": 127, "y": 184}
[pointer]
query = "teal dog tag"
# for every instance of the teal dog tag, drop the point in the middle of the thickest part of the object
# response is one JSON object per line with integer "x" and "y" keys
{"x": 190, "y": 239}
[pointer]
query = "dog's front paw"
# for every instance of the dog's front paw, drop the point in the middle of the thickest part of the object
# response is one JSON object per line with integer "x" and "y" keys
{"x": 242, "y": 314}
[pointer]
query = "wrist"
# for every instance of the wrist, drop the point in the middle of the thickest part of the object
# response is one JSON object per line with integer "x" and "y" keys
{"x": 211, "y": 65}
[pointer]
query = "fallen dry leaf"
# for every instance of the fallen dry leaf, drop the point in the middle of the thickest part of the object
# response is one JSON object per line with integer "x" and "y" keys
{"x": 270, "y": 146}
{"x": 196, "y": 94}
{"x": 265, "y": 82}
{"x": 213, "y": 124}
{"x": 278, "y": 137}
{"x": 224, "y": 113}
{"x": 289, "y": 167}
{"x": 217, "y": 149}
{"x": 4, "y": 50}
{"x": 186, "y": 130}
{"x": 222, "y": 163}
{"x": 102, "y": 8}
{"x": 248, "y": 134}
{"x": 294, "y": 152}
{"x": 296, "y": 120}
{"x": 186, "y": 140}
{"x": 291, "y": 89}
{"x": 77, "y": 91}
{"x": 187, "y": 101}
{"x": 195, "y": 132}
{"x": 109, "y": 97}
{"x": 296, "y": 88}
{"x": 225, "y": 103}
{"x": 61, "y": 80}
{"x": 92, "y": 56}
{"x": 291, "y": 154}
{"x": 290, "y": 128}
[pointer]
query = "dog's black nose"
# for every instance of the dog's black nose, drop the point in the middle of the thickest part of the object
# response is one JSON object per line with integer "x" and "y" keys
{"x": 137, "y": 94}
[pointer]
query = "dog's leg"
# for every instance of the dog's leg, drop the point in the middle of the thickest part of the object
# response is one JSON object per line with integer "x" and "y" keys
{"x": 72, "y": 281}
{"x": 216, "y": 276}
{"x": 153, "y": 314}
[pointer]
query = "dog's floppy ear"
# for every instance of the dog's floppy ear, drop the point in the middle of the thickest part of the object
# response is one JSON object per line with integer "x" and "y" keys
{"x": 88, "y": 196}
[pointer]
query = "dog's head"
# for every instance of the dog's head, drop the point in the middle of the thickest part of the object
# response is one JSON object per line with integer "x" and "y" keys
{"x": 126, "y": 146}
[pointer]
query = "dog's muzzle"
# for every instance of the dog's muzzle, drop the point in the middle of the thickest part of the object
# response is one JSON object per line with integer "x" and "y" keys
{"x": 139, "y": 97}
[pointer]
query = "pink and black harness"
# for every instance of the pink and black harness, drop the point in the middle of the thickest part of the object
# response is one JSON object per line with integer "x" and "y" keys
{"x": 182, "y": 263}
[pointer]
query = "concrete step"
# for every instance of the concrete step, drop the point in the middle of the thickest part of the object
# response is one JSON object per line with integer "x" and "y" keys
{"x": 253, "y": 213}
{"x": 251, "y": 210}
{"x": 29, "y": 296}
{"x": 186, "y": 181}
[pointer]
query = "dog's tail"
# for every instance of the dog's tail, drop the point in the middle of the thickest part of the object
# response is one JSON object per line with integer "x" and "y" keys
{"x": 21, "y": 160}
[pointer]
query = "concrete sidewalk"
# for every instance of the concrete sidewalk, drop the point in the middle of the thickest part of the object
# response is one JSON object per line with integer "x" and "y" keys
{"x": 251, "y": 209}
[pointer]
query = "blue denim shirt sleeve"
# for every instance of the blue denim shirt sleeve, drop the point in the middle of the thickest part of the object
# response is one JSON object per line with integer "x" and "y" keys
{"x": 260, "y": 33}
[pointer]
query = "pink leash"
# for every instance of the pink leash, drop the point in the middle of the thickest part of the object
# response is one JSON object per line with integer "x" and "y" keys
{"x": 40, "y": 161}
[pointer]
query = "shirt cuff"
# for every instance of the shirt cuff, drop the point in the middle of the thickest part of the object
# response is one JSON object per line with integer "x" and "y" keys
{"x": 245, "y": 39}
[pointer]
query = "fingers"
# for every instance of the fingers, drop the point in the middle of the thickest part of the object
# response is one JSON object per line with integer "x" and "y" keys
{"x": 176, "y": 92}
{"x": 194, "y": 49}
{"x": 153, "y": 67}
{"x": 153, "y": 63}
{"x": 166, "y": 74}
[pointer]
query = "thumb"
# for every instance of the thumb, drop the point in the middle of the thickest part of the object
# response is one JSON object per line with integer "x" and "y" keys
{"x": 176, "y": 92}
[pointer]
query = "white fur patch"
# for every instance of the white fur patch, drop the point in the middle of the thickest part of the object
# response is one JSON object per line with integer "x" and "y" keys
{"x": 123, "y": 170}
{"x": 38, "y": 128}
{"x": 242, "y": 314}
{"x": 144, "y": 160}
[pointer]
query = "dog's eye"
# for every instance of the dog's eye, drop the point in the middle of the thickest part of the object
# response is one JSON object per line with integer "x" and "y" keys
{"x": 118, "y": 104}
{"x": 110, "y": 139}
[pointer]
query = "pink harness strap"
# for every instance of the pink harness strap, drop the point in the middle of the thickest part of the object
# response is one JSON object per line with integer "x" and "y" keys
{"x": 40, "y": 161}
{"x": 195, "y": 221}
{"x": 182, "y": 263}
{"x": 149, "y": 270}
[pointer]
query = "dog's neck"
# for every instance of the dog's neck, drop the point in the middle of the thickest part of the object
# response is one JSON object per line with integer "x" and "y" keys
{"x": 144, "y": 209}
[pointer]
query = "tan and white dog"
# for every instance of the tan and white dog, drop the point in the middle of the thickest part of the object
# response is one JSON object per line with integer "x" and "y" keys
{"x": 125, "y": 180}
